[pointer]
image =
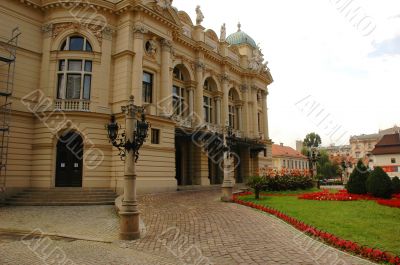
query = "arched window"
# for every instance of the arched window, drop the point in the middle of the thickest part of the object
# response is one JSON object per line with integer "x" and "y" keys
{"x": 74, "y": 76}
{"x": 76, "y": 43}
{"x": 210, "y": 114}
{"x": 180, "y": 93}
{"x": 233, "y": 110}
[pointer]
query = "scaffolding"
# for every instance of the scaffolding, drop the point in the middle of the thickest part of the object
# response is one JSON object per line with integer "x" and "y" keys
{"x": 8, "y": 55}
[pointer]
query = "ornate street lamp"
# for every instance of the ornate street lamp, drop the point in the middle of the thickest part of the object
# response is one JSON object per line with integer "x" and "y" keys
{"x": 313, "y": 157}
{"x": 128, "y": 145}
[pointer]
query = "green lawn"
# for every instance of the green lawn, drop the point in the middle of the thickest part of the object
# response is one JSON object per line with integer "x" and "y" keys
{"x": 364, "y": 222}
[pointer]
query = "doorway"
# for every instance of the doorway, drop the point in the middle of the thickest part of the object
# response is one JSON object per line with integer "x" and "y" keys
{"x": 69, "y": 161}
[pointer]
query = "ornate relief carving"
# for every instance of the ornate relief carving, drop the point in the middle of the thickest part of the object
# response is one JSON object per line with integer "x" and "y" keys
{"x": 257, "y": 61}
{"x": 244, "y": 88}
{"x": 139, "y": 29}
{"x": 199, "y": 66}
{"x": 224, "y": 77}
{"x": 47, "y": 29}
{"x": 98, "y": 31}
{"x": 151, "y": 47}
{"x": 164, "y": 4}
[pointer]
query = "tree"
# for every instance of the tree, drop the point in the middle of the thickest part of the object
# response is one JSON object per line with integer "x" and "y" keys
{"x": 396, "y": 185}
{"x": 325, "y": 167}
{"x": 257, "y": 183}
{"x": 379, "y": 184}
{"x": 358, "y": 179}
{"x": 312, "y": 140}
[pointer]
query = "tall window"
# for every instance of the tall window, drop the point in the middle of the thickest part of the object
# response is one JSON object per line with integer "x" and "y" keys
{"x": 259, "y": 121}
{"x": 178, "y": 92}
{"x": 178, "y": 100}
{"x": 76, "y": 43}
{"x": 74, "y": 79}
{"x": 147, "y": 87}
{"x": 155, "y": 136}
{"x": 232, "y": 115}
{"x": 207, "y": 108}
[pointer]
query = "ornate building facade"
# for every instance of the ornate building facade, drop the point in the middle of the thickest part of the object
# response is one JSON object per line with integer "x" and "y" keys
{"x": 78, "y": 63}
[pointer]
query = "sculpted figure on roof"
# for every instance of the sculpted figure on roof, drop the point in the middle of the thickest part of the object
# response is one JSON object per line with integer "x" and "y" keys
{"x": 164, "y": 4}
{"x": 199, "y": 16}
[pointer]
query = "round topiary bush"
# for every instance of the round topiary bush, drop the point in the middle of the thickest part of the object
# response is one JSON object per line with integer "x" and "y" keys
{"x": 396, "y": 185}
{"x": 379, "y": 184}
{"x": 358, "y": 179}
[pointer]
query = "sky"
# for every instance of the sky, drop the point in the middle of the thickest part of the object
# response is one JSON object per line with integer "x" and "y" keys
{"x": 335, "y": 63}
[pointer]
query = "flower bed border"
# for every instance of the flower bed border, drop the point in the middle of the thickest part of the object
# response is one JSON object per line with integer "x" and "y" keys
{"x": 372, "y": 254}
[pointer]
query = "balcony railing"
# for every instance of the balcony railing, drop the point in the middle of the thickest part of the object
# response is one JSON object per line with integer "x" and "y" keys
{"x": 72, "y": 104}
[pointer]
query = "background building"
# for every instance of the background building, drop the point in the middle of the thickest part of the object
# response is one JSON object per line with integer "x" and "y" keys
{"x": 386, "y": 154}
{"x": 287, "y": 157}
{"x": 79, "y": 63}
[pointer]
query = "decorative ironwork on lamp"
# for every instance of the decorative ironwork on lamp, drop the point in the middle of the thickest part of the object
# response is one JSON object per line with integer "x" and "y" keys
{"x": 139, "y": 133}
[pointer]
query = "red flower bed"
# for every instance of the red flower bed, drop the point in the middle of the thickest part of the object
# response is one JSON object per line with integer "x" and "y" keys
{"x": 346, "y": 245}
{"x": 341, "y": 195}
{"x": 391, "y": 203}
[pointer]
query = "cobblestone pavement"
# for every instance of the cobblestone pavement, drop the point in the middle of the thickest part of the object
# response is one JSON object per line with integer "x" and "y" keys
{"x": 180, "y": 228}
{"x": 93, "y": 222}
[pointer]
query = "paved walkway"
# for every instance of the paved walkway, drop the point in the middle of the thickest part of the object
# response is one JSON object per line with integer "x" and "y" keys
{"x": 180, "y": 228}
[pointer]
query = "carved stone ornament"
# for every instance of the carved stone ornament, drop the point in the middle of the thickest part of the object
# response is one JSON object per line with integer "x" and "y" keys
{"x": 151, "y": 47}
{"x": 224, "y": 77}
{"x": 164, "y": 4}
{"x": 97, "y": 30}
{"x": 256, "y": 62}
{"x": 199, "y": 66}
{"x": 139, "y": 29}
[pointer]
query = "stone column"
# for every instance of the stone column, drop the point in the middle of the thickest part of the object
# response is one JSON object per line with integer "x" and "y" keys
{"x": 265, "y": 114}
{"x": 255, "y": 112}
{"x": 218, "y": 109}
{"x": 129, "y": 213}
{"x": 225, "y": 98}
{"x": 191, "y": 101}
{"x": 137, "y": 87}
{"x": 239, "y": 118}
{"x": 166, "y": 81}
{"x": 245, "y": 114}
{"x": 199, "y": 93}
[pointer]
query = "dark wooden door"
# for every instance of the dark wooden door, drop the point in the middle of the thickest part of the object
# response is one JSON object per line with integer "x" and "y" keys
{"x": 69, "y": 160}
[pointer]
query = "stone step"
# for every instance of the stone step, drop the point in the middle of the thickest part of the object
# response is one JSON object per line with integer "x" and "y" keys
{"x": 60, "y": 203}
{"x": 63, "y": 196}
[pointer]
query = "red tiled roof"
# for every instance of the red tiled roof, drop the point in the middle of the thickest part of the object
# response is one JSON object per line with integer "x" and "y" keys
{"x": 389, "y": 144}
{"x": 279, "y": 150}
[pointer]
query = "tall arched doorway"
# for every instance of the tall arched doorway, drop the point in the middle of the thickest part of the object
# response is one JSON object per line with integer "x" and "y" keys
{"x": 69, "y": 160}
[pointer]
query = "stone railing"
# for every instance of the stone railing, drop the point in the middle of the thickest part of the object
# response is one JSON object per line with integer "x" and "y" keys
{"x": 185, "y": 122}
{"x": 72, "y": 104}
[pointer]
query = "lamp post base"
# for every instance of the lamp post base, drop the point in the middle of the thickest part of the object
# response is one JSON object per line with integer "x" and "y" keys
{"x": 226, "y": 194}
{"x": 129, "y": 226}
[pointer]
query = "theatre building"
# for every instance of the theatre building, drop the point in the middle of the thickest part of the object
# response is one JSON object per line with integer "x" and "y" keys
{"x": 70, "y": 65}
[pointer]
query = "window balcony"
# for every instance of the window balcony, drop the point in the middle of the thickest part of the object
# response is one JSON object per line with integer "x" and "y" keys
{"x": 72, "y": 105}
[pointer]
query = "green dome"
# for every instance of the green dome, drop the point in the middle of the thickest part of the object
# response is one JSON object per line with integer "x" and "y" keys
{"x": 240, "y": 37}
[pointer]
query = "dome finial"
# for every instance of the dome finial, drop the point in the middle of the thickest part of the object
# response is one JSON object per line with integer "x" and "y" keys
{"x": 239, "y": 26}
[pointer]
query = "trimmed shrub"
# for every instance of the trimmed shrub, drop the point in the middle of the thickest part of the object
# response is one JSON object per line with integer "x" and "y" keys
{"x": 379, "y": 184}
{"x": 289, "y": 182}
{"x": 358, "y": 179}
{"x": 396, "y": 185}
{"x": 258, "y": 184}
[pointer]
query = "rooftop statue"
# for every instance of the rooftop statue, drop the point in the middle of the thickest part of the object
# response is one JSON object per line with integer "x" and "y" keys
{"x": 199, "y": 16}
{"x": 223, "y": 33}
{"x": 164, "y": 4}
